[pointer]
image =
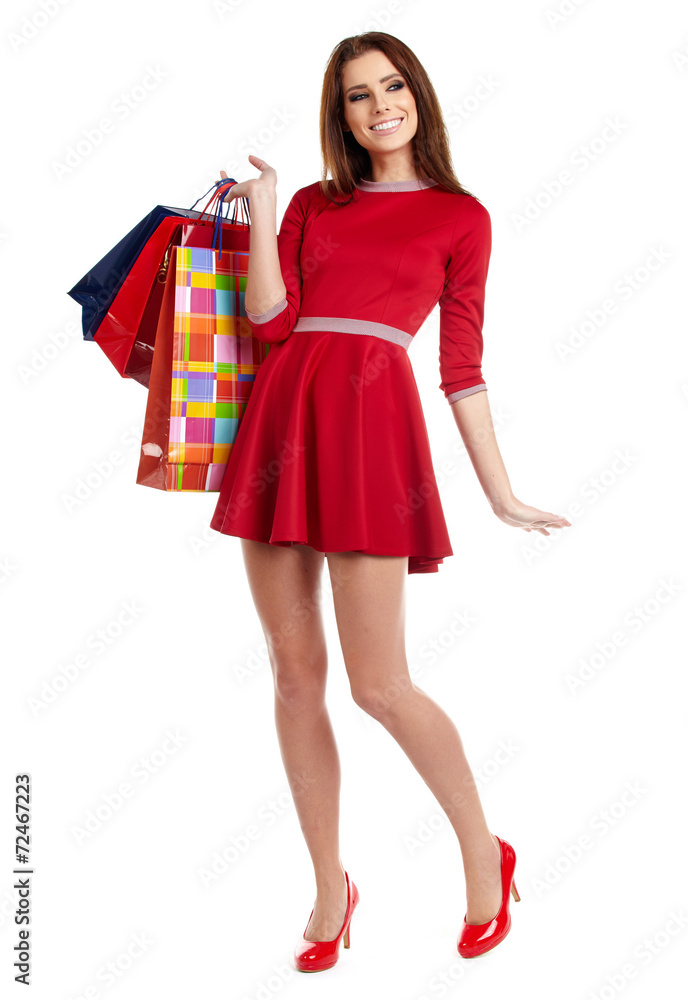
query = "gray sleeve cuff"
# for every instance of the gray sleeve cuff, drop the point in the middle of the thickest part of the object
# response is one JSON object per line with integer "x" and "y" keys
{"x": 269, "y": 314}
{"x": 453, "y": 396}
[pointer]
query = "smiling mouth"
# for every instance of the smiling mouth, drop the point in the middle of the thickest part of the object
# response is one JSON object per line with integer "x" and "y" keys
{"x": 384, "y": 126}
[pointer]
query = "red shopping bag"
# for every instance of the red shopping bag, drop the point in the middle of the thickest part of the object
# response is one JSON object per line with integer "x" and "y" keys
{"x": 127, "y": 331}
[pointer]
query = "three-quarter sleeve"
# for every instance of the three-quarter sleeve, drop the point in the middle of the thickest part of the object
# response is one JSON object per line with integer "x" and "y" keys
{"x": 277, "y": 323}
{"x": 462, "y": 303}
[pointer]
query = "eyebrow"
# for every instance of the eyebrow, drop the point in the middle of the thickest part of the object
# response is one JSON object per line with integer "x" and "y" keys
{"x": 360, "y": 86}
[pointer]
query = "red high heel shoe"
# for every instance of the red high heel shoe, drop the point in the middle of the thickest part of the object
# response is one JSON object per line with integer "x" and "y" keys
{"x": 315, "y": 956}
{"x": 476, "y": 939}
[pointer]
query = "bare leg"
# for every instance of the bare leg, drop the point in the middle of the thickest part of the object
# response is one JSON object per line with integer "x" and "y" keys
{"x": 285, "y": 586}
{"x": 370, "y": 608}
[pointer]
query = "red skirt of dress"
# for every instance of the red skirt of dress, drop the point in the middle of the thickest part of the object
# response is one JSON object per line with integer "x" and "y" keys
{"x": 333, "y": 452}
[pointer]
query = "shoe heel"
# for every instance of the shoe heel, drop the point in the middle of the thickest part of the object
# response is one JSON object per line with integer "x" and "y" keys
{"x": 514, "y": 892}
{"x": 346, "y": 936}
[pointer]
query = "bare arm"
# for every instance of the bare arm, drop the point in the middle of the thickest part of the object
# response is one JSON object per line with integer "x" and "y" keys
{"x": 264, "y": 284}
{"x": 474, "y": 421}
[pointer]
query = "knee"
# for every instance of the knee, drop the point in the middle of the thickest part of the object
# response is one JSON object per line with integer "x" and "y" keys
{"x": 381, "y": 701}
{"x": 299, "y": 680}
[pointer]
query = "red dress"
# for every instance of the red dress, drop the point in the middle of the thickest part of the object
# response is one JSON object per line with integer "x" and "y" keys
{"x": 333, "y": 449}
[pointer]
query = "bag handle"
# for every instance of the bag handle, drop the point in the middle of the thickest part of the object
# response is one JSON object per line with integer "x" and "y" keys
{"x": 214, "y": 206}
{"x": 219, "y": 199}
{"x": 215, "y": 188}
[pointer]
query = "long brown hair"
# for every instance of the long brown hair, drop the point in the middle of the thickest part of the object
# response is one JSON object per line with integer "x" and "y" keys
{"x": 344, "y": 157}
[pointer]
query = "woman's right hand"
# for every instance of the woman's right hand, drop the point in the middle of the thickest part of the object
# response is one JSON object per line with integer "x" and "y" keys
{"x": 267, "y": 181}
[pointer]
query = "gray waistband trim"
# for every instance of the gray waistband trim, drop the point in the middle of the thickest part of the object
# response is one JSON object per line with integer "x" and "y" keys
{"x": 342, "y": 324}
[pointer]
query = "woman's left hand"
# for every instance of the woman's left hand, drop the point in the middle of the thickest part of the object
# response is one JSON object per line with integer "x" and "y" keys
{"x": 520, "y": 515}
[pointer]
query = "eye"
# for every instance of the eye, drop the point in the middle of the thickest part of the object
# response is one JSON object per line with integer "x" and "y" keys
{"x": 356, "y": 96}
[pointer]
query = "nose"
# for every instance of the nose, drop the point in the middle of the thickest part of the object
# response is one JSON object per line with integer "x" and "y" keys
{"x": 381, "y": 103}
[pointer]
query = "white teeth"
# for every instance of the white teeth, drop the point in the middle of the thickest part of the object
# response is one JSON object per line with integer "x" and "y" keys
{"x": 392, "y": 124}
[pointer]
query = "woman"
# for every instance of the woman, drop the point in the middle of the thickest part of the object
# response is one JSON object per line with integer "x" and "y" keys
{"x": 332, "y": 458}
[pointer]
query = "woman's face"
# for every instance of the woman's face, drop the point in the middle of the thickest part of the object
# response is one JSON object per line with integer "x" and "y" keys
{"x": 375, "y": 93}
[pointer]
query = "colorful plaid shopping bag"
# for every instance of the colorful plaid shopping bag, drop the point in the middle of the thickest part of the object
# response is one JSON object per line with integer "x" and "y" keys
{"x": 204, "y": 364}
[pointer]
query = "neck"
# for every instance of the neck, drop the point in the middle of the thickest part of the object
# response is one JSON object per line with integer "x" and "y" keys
{"x": 389, "y": 169}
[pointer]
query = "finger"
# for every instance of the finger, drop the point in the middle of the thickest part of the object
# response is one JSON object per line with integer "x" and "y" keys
{"x": 554, "y": 519}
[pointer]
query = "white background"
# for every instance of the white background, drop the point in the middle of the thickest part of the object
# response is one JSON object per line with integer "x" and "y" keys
{"x": 540, "y": 607}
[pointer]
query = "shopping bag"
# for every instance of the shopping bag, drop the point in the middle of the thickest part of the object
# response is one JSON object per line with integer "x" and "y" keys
{"x": 127, "y": 332}
{"x": 204, "y": 365}
{"x": 97, "y": 289}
